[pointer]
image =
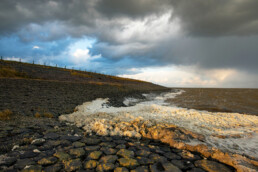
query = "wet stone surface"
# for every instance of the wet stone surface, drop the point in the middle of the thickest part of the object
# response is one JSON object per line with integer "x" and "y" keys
{"x": 54, "y": 146}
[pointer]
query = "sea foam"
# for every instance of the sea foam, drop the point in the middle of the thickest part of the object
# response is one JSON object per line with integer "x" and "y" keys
{"x": 230, "y": 132}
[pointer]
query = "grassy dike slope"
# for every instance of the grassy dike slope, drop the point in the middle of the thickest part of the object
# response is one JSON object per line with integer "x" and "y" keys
{"x": 28, "y": 88}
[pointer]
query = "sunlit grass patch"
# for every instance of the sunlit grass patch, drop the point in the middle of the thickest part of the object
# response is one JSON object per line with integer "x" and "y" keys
{"x": 126, "y": 79}
{"x": 105, "y": 83}
{"x": 11, "y": 73}
{"x": 80, "y": 74}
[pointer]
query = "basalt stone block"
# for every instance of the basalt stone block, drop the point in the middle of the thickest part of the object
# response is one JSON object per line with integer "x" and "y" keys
{"x": 71, "y": 138}
{"x": 79, "y": 152}
{"x": 141, "y": 169}
{"x": 121, "y": 169}
{"x": 91, "y": 141}
{"x": 92, "y": 148}
{"x": 128, "y": 162}
{"x": 63, "y": 156}
{"x": 28, "y": 154}
{"x": 90, "y": 164}
{"x": 94, "y": 155}
{"x": 47, "y": 161}
{"x": 7, "y": 161}
{"x": 108, "y": 159}
{"x": 211, "y": 166}
{"x": 125, "y": 153}
{"x": 21, "y": 163}
{"x": 73, "y": 165}
{"x": 53, "y": 168}
{"x": 105, "y": 167}
{"x": 52, "y": 136}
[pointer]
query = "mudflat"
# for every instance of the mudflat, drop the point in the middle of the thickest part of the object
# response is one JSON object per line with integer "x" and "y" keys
{"x": 218, "y": 100}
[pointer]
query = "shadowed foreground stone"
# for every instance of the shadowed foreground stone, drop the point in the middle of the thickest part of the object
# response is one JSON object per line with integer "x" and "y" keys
{"x": 170, "y": 167}
{"x": 196, "y": 170}
{"x": 52, "y": 136}
{"x": 28, "y": 154}
{"x": 94, "y": 155}
{"x": 78, "y": 144}
{"x": 128, "y": 162}
{"x": 36, "y": 168}
{"x": 71, "y": 138}
{"x": 121, "y": 169}
{"x": 53, "y": 168}
{"x": 92, "y": 141}
{"x": 7, "y": 160}
{"x": 156, "y": 167}
{"x": 140, "y": 169}
{"x": 144, "y": 160}
{"x": 109, "y": 159}
{"x": 92, "y": 148}
{"x": 143, "y": 153}
{"x": 109, "y": 151}
{"x": 211, "y": 166}
{"x": 105, "y": 167}
{"x": 72, "y": 165}
{"x": 47, "y": 161}
{"x": 90, "y": 164}
{"x": 172, "y": 155}
{"x": 38, "y": 142}
{"x": 125, "y": 153}
{"x": 182, "y": 164}
{"x": 63, "y": 156}
{"x": 79, "y": 152}
{"x": 21, "y": 163}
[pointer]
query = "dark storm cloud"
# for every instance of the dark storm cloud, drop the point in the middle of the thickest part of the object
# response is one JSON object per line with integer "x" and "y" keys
{"x": 133, "y": 8}
{"x": 207, "y": 53}
{"x": 198, "y": 17}
{"x": 216, "y": 33}
{"x": 16, "y": 14}
{"x": 223, "y": 52}
{"x": 218, "y": 17}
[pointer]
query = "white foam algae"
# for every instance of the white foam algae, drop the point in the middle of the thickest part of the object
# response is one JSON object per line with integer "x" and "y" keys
{"x": 231, "y": 132}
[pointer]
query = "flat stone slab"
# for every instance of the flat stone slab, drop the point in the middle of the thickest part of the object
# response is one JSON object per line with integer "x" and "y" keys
{"x": 125, "y": 153}
{"x": 211, "y": 166}
{"x": 52, "y": 136}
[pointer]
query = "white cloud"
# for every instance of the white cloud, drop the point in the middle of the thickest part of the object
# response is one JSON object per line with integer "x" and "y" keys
{"x": 12, "y": 58}
{"x": 149, "y": 29}
{"x": 83, "y": 56}
{"x": 35, "y": 47}
{"x": 16, "y": 59}
{"x": 81, "y": 53}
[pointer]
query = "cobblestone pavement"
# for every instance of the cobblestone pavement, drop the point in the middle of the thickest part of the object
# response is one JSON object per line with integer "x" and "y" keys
{"x": 41, "y": 144}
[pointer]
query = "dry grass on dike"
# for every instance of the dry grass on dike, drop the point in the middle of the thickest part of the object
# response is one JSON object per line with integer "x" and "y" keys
{"x": 6, "y": 114}
{"x": 80, "y": 74}
{"x": 46, "y": 115}
{"x": 37, "y": 115}
{"x": 11, "y": 73}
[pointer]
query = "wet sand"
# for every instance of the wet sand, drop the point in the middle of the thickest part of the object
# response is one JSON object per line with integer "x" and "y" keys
{"x": 218, "y": 100}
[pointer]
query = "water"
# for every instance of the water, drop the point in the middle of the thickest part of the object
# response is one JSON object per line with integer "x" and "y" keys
{"x": 219, "y": 100}
{"x": 230, "y": 132}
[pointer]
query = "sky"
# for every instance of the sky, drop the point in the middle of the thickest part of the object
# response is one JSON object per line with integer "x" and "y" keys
{"x": 175, "y": 43}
